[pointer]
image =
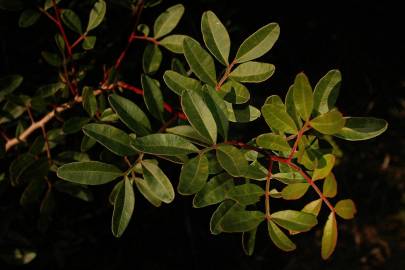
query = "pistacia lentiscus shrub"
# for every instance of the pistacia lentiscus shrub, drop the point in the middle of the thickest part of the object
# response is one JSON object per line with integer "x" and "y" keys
{"x": 124, "y": 139}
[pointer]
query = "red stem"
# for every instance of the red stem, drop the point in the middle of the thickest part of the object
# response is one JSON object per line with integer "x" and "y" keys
{"x": 297, "y": 140}
{"x": 78, "y": 41}
{"x": 61, "y": 29}
{"x": 226, "y": 75}
{"x": 150, "y": 39}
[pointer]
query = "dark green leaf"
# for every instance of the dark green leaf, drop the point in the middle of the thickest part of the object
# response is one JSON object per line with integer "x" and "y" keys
{"x": 294, "y": 220}
{"x": 33, "y": 192}
{"x": 144, "y": 29}
{"x": 89, "y": 101}
{"x": 330, "y": 186}
{"x": 246, "y": 194}
{"x": 49, "y": 90}
{"x": 290, "y": 107}
{"x": 193, "y": 176}
{"x": 213, "y": 165}
{"x": 329, "y": 237}
{"x": 294, "y": 191}
{"x": 13, "y": 5}
{"x": 248, "y": 241}
{"x": 234, "y": 92}
{"x": 8, "y": 84}
{"x": 72, "y": 21}
{"x": 152, "y": 96}
{"x": 214, "y": 191}
{"x": 178, "y": 66}
{"x": 346, "y": 209}
{"x": 273, "y": 142}
{"x": 145, "y": 190}
{"x": 362, "y": 128}
{"x": 152, "y": 57}
{"x": 164, "y": 144}
{"x": 252, "y": 72}
{"x": 279, "y": 238}
{"x": 28, "y": 17}
{"x": 123, "y": 208}
{"x": 326, "y": 91}
{"x": 168, "y": 20}
{"x": 87, "y": 143}
{"x": 277, "y": 118}
{"x": 89, "y": 42}
{"x": 232, "y": 160}
{"x": 303, "y": 96}
{"x": 187, "y": 132}
{"x": 256, "y": 171}
{"x": 179, "y": 83}
{"x": 173, "y": 43}
{"x": 242, "y": 114}
{"x": 97, "y": 14}
{"x": 78, "y": 191}
{"x": 222, "y": 210}
{"x": 158, "y": 182}
{"x": 329, "y": 123}
{"x": 19, "y": 165}
{"x": 52, "y": 59}
{"x": 218, "y": 108}
{"x": 74, "y": 124}
{"x": 240, "y": 220}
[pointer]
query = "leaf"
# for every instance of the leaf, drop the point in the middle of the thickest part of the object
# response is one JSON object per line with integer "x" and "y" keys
{"x": 242, "y": 114}
{"x": 216, "y": 218}
{"x": 97, "y": 14}
{"x": 256, "y": 171}
{"x": 248, "y": 241}
{"x": 164, "y": 144}
{"x": 168, "y": 20}
{"x": 252, "y": 72}
{"x": 130, "y": 114}
{"x": 74, "y": 124}
{"x": 114, "y": 139}
{"x": 346, "y": 209}
{"x": 214, "y": 191}
{"x": 8, "y": 84}
{"x": 28, "y": 17}
{"x": 200, "y": 61}
{"x": 88, "y": 173}
{"x": 279, "y": 238}
{"x": 19, "y": 165}
{"x": 152, "y": 96}
{"x": 258, "y": 43}
{"x": 151, "y": 59}
{"x": 232, "y": 160}
{"x": 241, "y": 220}
{"x": 325, "y": 166}
{"x": 145, "y": 190}
{"x": 278, "y": 119}
{"x": 49, "y": 90}
{"x": 294, "y": 191}
{"x": 173, "y": 43}
{"x": 89, "y": 42}
{"x": 89, "y": 101}
{"x": 158, "y": 182}
{"x": 313, "y": 207}
{"x": 329, "y": 237}
{"x": 294, "y": 220}
{"x": 33, "y": 192}
{"x": 75, "y": 190}
{"x": 87, "y": 143}
{"x": 303, "y": 96}
{"x": 143, "y": 28}
{"x": 52, "y": 59}
{"x": 72, "y": 21}
{"x": 216, "y": 37}
{"x": 330, "y": 186}
{"x": 213, "y": 165}
{"x": 218, "y": 108}
{"x": 246, "y": 194}
{"x": 290, "y": 107}
{"x": 273, "y": 142}
{"x": 329, "y": 123}
{"x": 188, "y": 132}
{"x": 326, "y": 91}
{"x": 193, "y": 175}
{"x": 123, "y": 208}
{"x": 362, "y": 128}
{"x": 234, "y": 92}
{"x": 179, "y": 83}
{"x": 199, "y": 115}
{"x": 178, "y": 66}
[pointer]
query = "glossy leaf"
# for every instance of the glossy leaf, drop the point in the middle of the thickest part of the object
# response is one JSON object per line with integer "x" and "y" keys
{"x": 151, "y": 59}
{"x": 256, "y": 171}
{"x": 240, "y": 220}
{"x": 223, "y": 209}
{"x": 325, "y": 166}
{"x": 303, "y": 96}
{"x": 242, "y": 114}
{"x": 193, "y": 175}
{"x": 152, "y": 96}
{"x": 179, "y": 83}
{"x": 28, "y": 17}
{"x": 74, "y": 124}
{"x": 214, "y": 191}
{"x": 294, "y": 220}
{"x": 252, "y": 72}
{"x": 164, "y": 144}
{"x": 294, "y": 191}
{"x": 173, "y": 43}
{"x": 218, "y": 109}
{"x": 290, "y": 107}
{"x": 276, "y": 100}
{"x": 199, "y": 115}
{"x": 88, "y": 173}
{"x": 246, "y": 194}
{"x": 89, "y": 101}
{"x": 97, "y": 14}
{"x": 8, "y": 84}
{"x": 234, "y": 92}
{"x": 187, "y": 132}
{"x": 258, "y": 43}
{"x": 232, "y": 160}
{"x": 330, "y": 186}
{"x": 329, "y": 123}
{"x": 313, "y": 207}
{"x": 158, "y": 182}
{"x": 289, "y": 177}
{"x": 200, "y": 61}
{"x": 279, "y": 238}
{"x": 178, "y": 66}
{"x": 114, "y": 139}
{"x": 72, "y": 20}
{"x": 326, "y": 91}
{"x": 278, "y": 119}
{"x": 273, "y": 142}
{"x": 329, "y": 237}
{"x": 346, "y": 209}
{"x": 362, "y": 128}
{"x": 130, "y": 114}
{"x": 123, "y": 208}
{"x": 215, "y": 36}
{"x": 145, "y": 190}
{"x": 248, "y": 241}
{"x": 168, "y": 20}
{"x": 87, "y": 143}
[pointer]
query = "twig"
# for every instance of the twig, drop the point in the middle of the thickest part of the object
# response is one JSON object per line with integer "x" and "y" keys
{"x": 267, "y": 194}
{"x": 47, "y": 147}
{"x": 225, "y": 76}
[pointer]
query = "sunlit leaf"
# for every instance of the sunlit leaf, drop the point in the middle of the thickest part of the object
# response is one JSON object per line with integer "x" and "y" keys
{"x": 168, "y": 20}
{"x": 179, "y": 83}
{"x": 151, "y": 59}
{"x": 329, "y": 237}
{"x": 279, "y": 238}
{"x": 173, "y": 43}
{"x": 214, "y": 191}
{"x": 242, "y": 114}
{"x": 252, "y": 72}
{"x": 294, "y": 220}
{"x": 294, "y": 191}
{"x": 232, "y": 160}
{"x": 234, "y": 92}
{"x": 145, "y": 190}
{"x": 330, "y": 186}
{"x": 346, "y": 209}
{"x": 277, "y": 118}
{"x": 289, "y": 177}
{"x": 97, "y": 14}
{"x": 313, "y": 207}
{"x": 324, "y": 166}
{"x": 329, "y": 123}
{"x": 273, "y": 142}
{"x": 362, "y": 128}
{"x": 326, "y": 91}
{"x": 164, "y": 144}
{"x": 303, "y": 96}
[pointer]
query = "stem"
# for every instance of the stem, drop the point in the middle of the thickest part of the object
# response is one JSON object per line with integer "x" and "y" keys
{"x": 226, "y": 75}
{"x": 150, "y": 39}
{"x": 61, "y": 29}
{"x": 47, "y": 147}
{"x": 168, "y": 123}
{"x": 297, "y": 140}
{"x": 83, "y": 36}
{"x": 267, "y": 194}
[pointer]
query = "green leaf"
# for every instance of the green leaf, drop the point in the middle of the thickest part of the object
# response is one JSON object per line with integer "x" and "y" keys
{"x": 273, "y": 142}
{"x": 19, "y": 165}
{"x": 258, "y": 43}
{"x": 52, "y": 59}
{"x": 346, "y": 209}
{"x": 168, "y": 20}
{"x": 72, "y": 21}
{"x": 28, "y": 17}
{"x": 158, "y": 182}
{"x": 313, "y": 207}
{"x": 87, "y": 143}
{"x": 88, "y": 173}
{"x": 164, "y": 144}
{"x": 89, "y": 42}
{"x": 214, "y": 191}
{"x": 303, "y": 96}
{"x": 97, "y": 14}
{"x": 326, "y": 91}
{"x": 152, "y": 96}
{"x": 213, "y": 165}
{"x": 33, "y": 192}
{"x": 89, "y": 101}
{"x": 248, "y": 241}
{"x": 277, "y": 118}
{"x": 232, "y": 160}
{"x": 329, "y": 237}
{"x": 75, "y": 190}
{"x": 256, "y": 171}
{"x": 188, "y": 132}
{"x": 216, "y": 218}
{"x": 362, "y": 128}
{"x": 151, "y": 59}
{"x": 179, "y": 83}
{"x": 8, "y": 84}
{"x": 123, "y": 208}
{"x": 130, "y": 114}
{"x": 74, "y": 124}
{"x": 173, "y": 43}
{"x": 199, "y": 115}
{"x": 146, "y": 191}
{"x": 325, "y": 166}
{"x": 49, "y": 90}
{"x": 242, "y": 114}
{"x": 294, "y": 220}
{"x": 114, "y": 139}
{"x": 241, "y": 220}
{"x": 143, "y": 28}
{"x": 279, "y": 238}
{"x": 178, "y": 66}
{"x": 330, "y": 186}
{"x": 216, "y": 37}
{"x": 294, "y": 191}
{"x": 329, "y": 123}
{"x": 246, "y": 194}
{"x": 200, "y": 61}
{"x": 218, "y": 108}
{"x": 290, "y": 107}
{"x": 234, "y": 92}
{"x": 193, "y": 176}
{"x": 252, "y": 72}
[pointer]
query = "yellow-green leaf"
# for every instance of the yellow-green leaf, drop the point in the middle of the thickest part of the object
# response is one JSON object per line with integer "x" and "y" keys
{"x": 123, "y": 208}
{"x": 97, "y": 14}
{"x": 294, "y": 220}
{"x": 330, "y": 186}
{"x": 158, "y": 183}
{"x": 294, "y": 191}
{"x": 346, "y": 209}
{"x": 179, "y": 83}
{"x": 145, "y": 190}
{"x": 252, "y": 72}
{"x": 168, "y": 20}
{"x": 232, "y": 160}
{"x": 303, "y": 96}
{"x": 273, "y": 142}
{"x": 279, "y": 238}
{"x": 313, "y": 207}
{"x": 324, "y": 166}
{"x": 173, "y": 43}
{"x": 329, "y": 123}
{"x": 151, "y": 59}
{"x": 329, "y": 237}
{"x": 362, "y": 128}
{"x": 277, "y": 118}
{"x": 326, "y": 91}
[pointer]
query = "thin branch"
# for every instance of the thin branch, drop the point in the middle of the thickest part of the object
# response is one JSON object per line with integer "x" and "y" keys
{"x": 267, "y": 194}
{"x": 168, "y": 123}
{"x": 225, "y": 76}
{"x": 47, "y": 147}
{"x": 297, "y": 140}
{"x": 149, "y": 39}
{"x": 82, "y": 37}
{"x": 61, "y": 28}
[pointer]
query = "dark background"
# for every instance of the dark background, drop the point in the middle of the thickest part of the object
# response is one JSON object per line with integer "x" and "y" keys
{"x": 364, "y": 41}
